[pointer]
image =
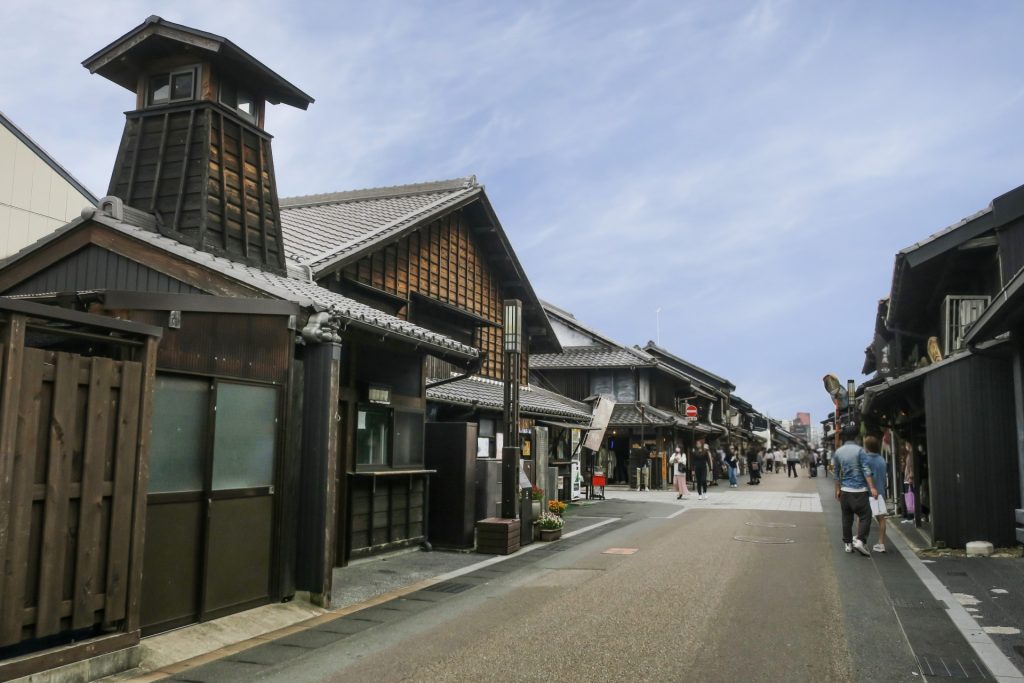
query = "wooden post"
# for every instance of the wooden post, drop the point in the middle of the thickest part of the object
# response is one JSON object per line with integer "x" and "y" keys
{"x": 138, "y": 532}
{"x": 13, "y": 340}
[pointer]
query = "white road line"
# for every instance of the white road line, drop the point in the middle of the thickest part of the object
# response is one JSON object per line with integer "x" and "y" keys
{"x": 988, "y": 652}
{"x": 528, "y": 549}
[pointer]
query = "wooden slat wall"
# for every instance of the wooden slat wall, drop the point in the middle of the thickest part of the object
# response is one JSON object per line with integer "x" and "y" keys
{"x": 70, "y": 501}
{"x": 392, "y": 514}
{"x": 208, "y": 175}
{"x": 444, "y": 262}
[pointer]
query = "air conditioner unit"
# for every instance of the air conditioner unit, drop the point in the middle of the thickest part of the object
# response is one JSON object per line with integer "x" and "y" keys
{"x": 959, "y": 312}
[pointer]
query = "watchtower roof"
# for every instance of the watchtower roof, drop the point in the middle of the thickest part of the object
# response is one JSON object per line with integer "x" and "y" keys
{"x": 125, "y": 59}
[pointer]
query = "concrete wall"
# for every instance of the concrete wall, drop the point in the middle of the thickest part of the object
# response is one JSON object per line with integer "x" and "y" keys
{"x": 34, "y": 198}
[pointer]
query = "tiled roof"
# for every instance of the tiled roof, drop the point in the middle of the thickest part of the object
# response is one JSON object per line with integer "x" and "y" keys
{"x": 628, "y": 415}
{"x": 294, "y": 287}
{"x": 489, "y": 393}
{"x": 322, "y": 229}
{"x": 590, "y": 357}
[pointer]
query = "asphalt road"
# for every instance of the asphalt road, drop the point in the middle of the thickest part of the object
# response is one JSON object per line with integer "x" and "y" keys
{"x": 742, "y": 587}
{"x": 692, "y": 603}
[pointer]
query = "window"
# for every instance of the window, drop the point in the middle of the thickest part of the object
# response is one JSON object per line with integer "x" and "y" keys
{"x": 176, "y": 86}
{"x": 239, "y": 99}
{"x": 388, "y": 438}
{"x": 372, "y": 432}
{"x": 191, "y": 415}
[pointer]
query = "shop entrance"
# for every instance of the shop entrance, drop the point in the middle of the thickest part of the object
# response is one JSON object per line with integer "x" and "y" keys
{"x": 210, "y": 508}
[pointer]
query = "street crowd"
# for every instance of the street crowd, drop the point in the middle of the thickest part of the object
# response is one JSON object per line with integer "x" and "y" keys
{"x": 859, "y": 473}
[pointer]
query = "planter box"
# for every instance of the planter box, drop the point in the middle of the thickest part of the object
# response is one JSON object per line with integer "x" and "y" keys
{"x": 550, "y": 534}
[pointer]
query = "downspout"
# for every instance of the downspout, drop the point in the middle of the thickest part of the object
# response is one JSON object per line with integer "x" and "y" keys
{"x": 472, "y": 369}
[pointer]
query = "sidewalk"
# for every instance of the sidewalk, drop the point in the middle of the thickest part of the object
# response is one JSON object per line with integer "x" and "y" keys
{"x": 901, "y": 599}
{"x": 363, "y": 592}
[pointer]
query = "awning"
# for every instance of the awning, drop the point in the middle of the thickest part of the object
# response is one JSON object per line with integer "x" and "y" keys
{"x": 1005, "y": 313}
{"x": 567, "y": 425}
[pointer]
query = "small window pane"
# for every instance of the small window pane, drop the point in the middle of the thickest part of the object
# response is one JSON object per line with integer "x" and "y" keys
{"x": 244, "y": 439}
{"x": 245, "y": 104}
{"x": 372, "y": 436}
{"x": 228, "y": 95}
{"x": 181, "y": 86}
{"x": 159, "y": 88}
{"x": 408, "y": 439}
{"x": 180, "y": 415}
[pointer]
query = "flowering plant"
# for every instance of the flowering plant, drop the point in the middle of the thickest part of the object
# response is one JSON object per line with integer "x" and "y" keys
{"x": 550, "y": 521}
{"x": 556, "y": 507}
{"x": 537, "y": 493}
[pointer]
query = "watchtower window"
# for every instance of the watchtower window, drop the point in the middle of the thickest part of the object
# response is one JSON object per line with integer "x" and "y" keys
{"x": 238, "y": 99}
{"x": 176, "y": 86}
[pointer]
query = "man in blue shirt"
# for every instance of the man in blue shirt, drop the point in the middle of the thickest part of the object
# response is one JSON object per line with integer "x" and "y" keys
{"x": 879, "y": 471}
{"x": 854, "y": 480}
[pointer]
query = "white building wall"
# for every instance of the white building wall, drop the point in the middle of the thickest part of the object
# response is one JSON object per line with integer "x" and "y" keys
{"x": 34, "y": 198}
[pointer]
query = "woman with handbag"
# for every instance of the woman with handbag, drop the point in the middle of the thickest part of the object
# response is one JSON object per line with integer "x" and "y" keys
{"x": 678, "y": 463}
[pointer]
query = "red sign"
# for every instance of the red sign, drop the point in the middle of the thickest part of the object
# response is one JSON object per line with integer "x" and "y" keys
{"x": 691, "y": 412}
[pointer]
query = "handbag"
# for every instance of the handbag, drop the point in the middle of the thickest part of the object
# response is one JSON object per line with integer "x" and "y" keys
{"x": 909, "y": 503}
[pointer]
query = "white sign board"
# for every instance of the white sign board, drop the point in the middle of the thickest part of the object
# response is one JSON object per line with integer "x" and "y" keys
{"x": 599, "y": 423}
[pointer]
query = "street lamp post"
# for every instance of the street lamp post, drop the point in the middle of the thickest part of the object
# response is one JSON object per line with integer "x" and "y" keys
{"x": 512, "y": 346}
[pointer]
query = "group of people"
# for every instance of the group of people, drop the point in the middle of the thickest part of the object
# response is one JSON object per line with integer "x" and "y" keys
{"x": 860, "y": 475}
{"x": 760, "y": 460}
{"x": 700, "y": 463}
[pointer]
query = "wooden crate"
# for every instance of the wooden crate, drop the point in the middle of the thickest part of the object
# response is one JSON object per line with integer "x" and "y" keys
{"x": 497, "y": 536}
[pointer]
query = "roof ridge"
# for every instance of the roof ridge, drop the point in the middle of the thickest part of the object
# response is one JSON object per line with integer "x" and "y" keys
{"x": 369, "y": 236}
{"x": 341, "y": 197}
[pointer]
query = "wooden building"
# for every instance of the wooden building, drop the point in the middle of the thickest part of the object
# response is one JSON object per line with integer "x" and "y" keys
{"x": 37, "y": 194}
{"x": 650, "y": 390}
{"x": 267, "y": 386}
{"x": 434, "y": 254}
{"x": 949, "y": 404}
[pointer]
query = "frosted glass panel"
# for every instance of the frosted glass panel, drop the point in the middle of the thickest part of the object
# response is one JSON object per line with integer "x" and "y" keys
{"x": 244, "y": 436}
{"x": 408, "y": 439}
{"x": 180, "y": 414}
{"x": 372, "y": 426}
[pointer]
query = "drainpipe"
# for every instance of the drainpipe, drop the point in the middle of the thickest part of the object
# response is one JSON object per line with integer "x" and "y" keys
{"x": 473, "y": 368}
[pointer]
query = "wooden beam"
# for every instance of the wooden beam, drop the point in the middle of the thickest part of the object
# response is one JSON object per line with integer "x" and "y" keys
{"x": 138, "y": 533}
{"x": 10, "y": 397}
{"x": 176, "y": 223}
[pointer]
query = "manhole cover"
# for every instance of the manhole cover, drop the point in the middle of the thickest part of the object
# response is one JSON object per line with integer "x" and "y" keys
{"x": 762, "y": 539}
{"x": 448, "y": 587}
{"x": 772, "y": 525}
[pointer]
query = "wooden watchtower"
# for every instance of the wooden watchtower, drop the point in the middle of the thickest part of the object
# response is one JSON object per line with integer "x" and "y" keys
{"x": 194, "y": 152}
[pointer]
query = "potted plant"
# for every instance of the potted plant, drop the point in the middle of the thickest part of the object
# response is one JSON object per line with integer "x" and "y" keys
{"x": 537, "y": 496}
{"x": 550, "y": 526}
{"x": 556, "y": 507}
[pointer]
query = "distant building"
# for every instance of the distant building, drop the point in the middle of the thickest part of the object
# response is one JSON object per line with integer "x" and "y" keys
{"x": 37, "y": 195}
{"x": 801, "y": 426}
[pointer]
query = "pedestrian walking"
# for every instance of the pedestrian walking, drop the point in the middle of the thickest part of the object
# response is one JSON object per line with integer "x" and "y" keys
{"x": 879, "y": 471}
{"x": 769, "y": 460}
{"x": 854, "y": 481}
{"x": 701, "y": 464}
{"x": 792, "y": 458}
{"x": 732, "y": 463}
{"x": 677, "y": 461}
{"x": 753, "y": 467}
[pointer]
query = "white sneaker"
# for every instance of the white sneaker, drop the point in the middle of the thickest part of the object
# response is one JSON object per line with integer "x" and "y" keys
{"x": 859, "y": 546}
{"x": 878, "y": 548}
{"x": 848, "y": 547}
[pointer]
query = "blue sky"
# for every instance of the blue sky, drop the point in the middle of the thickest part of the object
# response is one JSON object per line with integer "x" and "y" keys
{"x": 750, "y": 168}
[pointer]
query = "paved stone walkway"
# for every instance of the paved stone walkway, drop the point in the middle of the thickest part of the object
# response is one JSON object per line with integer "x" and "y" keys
{"x": 722, "y": 497}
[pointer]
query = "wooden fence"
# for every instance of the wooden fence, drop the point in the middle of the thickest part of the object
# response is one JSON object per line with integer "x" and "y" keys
{"x": 73, "y": 440}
